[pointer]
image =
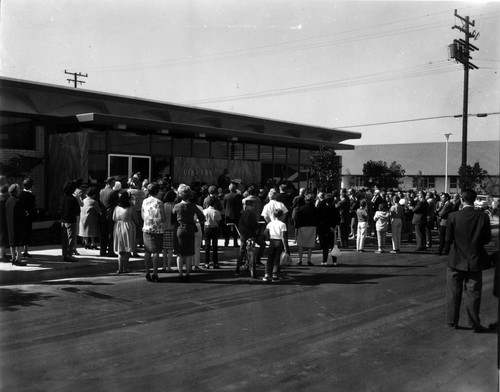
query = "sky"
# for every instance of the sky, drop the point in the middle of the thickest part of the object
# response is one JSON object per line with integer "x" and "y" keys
{"x": 380, "y": 68}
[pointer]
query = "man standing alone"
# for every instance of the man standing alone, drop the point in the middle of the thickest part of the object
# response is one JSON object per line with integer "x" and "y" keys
{"x": 467, "y": 232}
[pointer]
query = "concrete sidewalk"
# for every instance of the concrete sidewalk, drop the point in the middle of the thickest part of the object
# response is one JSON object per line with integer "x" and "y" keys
{"x": 46, "y": 263}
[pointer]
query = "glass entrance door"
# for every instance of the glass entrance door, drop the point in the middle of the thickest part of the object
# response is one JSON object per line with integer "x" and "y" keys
{"x": 122, "y": 167}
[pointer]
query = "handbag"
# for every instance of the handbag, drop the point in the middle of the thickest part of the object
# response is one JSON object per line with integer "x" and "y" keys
{"x": 285, "y": 259}
{"x": 336, "y": 251}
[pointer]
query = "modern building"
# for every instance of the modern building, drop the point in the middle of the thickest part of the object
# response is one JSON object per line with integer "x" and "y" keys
{"x": 423, "y": 161}
{"x": 77, "y": 133}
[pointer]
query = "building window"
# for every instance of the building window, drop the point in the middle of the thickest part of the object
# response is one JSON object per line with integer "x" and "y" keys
{"x": 161, "y": 167}
{"x": 128, "y": 142}
{"x": 304, "y": 157}
{"x": 453, "y": 182}
{"x": 97, "y": 168}
{"x": 266, "y": 159}
{"x": 17, "y": 133}
{"x": 235, "y": 151}
{"x": 424, "y": 182}
{"x": 218, "y": 150}
{"x": 161, "y": 145}
{"x": 182, "y": 147}
{"x": 251, "y": 152}
{"x": 201, "y": 148}
{"x": 97, "y": 141}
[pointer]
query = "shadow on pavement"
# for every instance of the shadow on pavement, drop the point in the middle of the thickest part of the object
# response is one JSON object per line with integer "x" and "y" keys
{"x": 15, "y": 299}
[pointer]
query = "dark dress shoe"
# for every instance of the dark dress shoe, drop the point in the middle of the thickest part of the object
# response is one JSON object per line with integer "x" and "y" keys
{"x": 479, "y": 329}
{"x": 26, "y": 254}
{"x": 18, "y": 263}
{"x": 155, "y": 278}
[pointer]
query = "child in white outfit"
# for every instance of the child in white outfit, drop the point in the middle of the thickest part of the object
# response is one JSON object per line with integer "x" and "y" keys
{"x": 278, "y": 241}
{"x": 381, "y": 218}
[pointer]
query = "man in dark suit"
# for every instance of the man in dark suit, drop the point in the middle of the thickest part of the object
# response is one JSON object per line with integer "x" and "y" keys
{"x": 467, "y": 232}
{"x": 109, "y": 200}
{"x": 420, "y": 220}
{"x": 444, "y": 211}
{"x": 232, "y": 206}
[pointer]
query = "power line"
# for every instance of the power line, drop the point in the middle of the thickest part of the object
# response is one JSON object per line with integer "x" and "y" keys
{"x": 416, "y": 119}
{"x": 277, "y": 48}
{"x": 441, "y": 66}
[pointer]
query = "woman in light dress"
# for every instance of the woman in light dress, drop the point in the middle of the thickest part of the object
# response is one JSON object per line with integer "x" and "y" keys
{"x": 90, "y": 217}
{"x": 124, "y": 235}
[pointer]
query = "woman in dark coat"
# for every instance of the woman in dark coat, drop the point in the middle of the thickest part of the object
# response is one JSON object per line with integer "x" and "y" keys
{"x": 4, "y": 236}
{"x": 306, "y": 222}
{"x": 183, "y": 215}
{"x": 16, "y": 216}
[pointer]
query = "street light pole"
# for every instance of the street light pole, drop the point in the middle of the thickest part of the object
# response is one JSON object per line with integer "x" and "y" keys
{"x": 447, "y": 135}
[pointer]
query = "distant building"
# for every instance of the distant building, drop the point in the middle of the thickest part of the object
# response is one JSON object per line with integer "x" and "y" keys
{"x": 424, "y": 160}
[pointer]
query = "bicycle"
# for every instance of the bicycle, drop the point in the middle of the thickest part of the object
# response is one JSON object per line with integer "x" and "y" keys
{"x": 249, "y": 262}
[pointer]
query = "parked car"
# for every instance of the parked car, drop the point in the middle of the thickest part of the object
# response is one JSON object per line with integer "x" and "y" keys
{"x": 484, "y": 201}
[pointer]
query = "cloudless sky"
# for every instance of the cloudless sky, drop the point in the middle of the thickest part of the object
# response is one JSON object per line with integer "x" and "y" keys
{"x": 334, "y": 64}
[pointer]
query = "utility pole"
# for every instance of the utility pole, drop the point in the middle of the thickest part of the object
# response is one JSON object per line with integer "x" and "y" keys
{"x": 75, "y": 77}
{"x": 460, "y": 51}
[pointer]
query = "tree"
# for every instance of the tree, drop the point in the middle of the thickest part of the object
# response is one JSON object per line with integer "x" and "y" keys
{"x": 379, "y": 174}
{"x": 472, "y": 177}
{"x": 491, "y": 186}
{"x": 324, "y": 169}
{"x": 418, "y": 181}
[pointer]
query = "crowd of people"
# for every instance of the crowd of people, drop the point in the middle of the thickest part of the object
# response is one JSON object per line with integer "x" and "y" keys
{"x": 167, "y": 219}
{"x": 17, "y": 212}
{"x": 124, "y": 216}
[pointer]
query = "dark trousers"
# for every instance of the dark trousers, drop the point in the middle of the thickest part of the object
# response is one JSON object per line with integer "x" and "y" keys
{"x": 326, "y": 239}
{"x": 442, "y": 248}
{"x": 344, "y": 234}
{"x": 106, "y": 237}
{"x": 273, "y": 259}
{"x": 456, "y": 280}
{"x": 211, "y": 239}
{"x": 229, "y": 230}
{"x": 420, "y": 236}
{"x": 68, "y": 238}
{"x": 428, "y": 233}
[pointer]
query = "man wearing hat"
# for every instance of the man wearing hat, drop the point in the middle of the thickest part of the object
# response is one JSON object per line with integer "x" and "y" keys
{"x": 109, "y": 199}
{"x": 28, "y": 199}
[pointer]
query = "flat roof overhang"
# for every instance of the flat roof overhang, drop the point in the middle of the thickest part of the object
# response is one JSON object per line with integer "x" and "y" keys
{"x": 101, "y": 121}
